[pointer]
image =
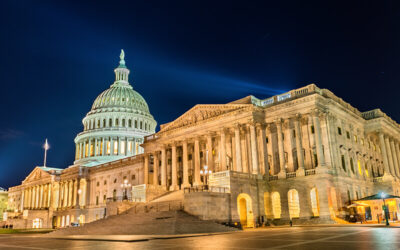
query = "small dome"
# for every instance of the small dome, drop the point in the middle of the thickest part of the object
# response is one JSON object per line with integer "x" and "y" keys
{"x": 120, "y": 96}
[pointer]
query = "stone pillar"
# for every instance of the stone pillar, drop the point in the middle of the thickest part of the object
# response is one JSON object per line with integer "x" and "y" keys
{"x": 299, "y": 148}
{"x": 185, "y": 164}
{"x": 395, "y": 159}
{"x": 119, "y": 146}
{"x": 209, "y": 152}
{"x": 384, "y": 153}
{"x": 398, "y": 155}
{"x": 390, "y": 157}
{"x": 238, "y": 148}
{"x": 318, "y": 139}
{"x": 222, "y": 160}
{"x": 155, "y": 169}
{"x": 89, "y": 147}
{"x": 233, "y": 150}
{"x": 111, "y": 146}
{"x": 146, "y": 169}
{"x": 164, "y": 167}
{"x": 84, "y": 149}
{"x": 174, "y": 169}
{"x": 254, "y": 149}
{"x": 281, "y": 149}
{"x": 96, "y": 147}
{"x": 70, "y": 193}
{"x": 197, "y": 179}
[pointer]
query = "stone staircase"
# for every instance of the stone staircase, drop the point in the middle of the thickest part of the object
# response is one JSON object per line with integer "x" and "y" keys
{"x": 151, "y": 223}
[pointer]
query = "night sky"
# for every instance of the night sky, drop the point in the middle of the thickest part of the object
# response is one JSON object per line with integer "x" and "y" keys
{"x": 57, "y": 56}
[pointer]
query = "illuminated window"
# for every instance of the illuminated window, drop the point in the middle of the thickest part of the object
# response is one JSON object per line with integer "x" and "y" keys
{"x": 137, "y": 148}
{"x": 86, "y": 149}
{"x": 115, "y": 147}
{"x": 359, "y": 167}
{"x": 355, "y": 138}
{"x": 101, "y": 148}
{"x": 108, "y": 148}
{"x": 91, "y": 150}
{"x": 123, "y": 147}
{"x": 294, "y": 206}
{"x": 366, "y": 171}
{"x": 362, "y": 142}
{"x": 314, "y": 202}
{"x": 130, "y": 147}
{"x": 276, "y": 205}
{"x": 104, "y": 198}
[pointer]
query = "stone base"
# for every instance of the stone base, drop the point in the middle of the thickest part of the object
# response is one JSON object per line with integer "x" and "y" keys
{"x": 387, "y": 177}
{"x": 282, "y": 175}
{"x": 300, "y": 172}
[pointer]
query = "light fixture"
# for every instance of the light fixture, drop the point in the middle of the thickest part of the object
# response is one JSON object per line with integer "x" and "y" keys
{"x": 79, "y": 191}
{"x": 383, "y": 195}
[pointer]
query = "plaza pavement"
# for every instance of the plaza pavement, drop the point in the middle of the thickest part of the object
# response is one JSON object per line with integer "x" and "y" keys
{"x": 326, "y": 238}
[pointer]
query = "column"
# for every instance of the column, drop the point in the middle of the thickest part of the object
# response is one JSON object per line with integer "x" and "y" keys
{"x": 164, "y": 167}
{"x": 384, "y": 153}
{"x": 75, "y": 193}
{"x": 70, "y": 193}
{"x": 174, "y": 170}
{"x": 390, "y": 156}
{"x": 84, "y": 149}
{"x": 263, "y": 150}
{"x": 102, "y": 145}
{"x": 89, "y": 147}
{"x": 111, "y": 146}
{"x": 398, "y": 155}
{"x": 222, "y": 161}
{"x": 281, "y": 149}
{"x": 185, "y": 164}
{"x": 146, "y": 169}
{"x": 318, "y": 139}
{"x": 96, "y": 147}
{"x": 119, "y": 146}
{"x": 197, "y": 179}
{"x": 299, "y": 148}
{"x": 254, "y": 150}
{"x": 210, "y": 157}
{"x": 126, "y": 146}
{"x": 155, "y": 169}
{"x": 238, "y": 148}
{"x": 41, "y": 197}
{"x": 395, "y": 159}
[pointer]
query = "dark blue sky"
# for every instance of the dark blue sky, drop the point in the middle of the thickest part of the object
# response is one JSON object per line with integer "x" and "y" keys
{"x": 57, "y": 56}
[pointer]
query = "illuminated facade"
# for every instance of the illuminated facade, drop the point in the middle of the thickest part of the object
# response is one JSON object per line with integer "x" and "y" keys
{"x": 3, "y": 202}
{"x": 302, "y": 155}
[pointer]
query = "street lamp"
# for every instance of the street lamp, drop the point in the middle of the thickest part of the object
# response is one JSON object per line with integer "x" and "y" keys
{"x": 205, "y": 173}
{"x": 125, "y": 185}
{"x": 385, "y": 209}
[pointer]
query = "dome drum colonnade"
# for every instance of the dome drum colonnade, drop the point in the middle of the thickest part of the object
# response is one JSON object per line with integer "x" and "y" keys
{"x": 116, "y": 124}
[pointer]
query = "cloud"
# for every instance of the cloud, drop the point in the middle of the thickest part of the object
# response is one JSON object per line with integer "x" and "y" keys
{"x": 9, "y": 134}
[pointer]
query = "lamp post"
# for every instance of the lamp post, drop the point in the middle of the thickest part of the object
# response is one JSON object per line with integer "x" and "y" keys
{"x": 383, "y": 196}
{"x": 125, "y": 185}
{"x": 205, "y": 172}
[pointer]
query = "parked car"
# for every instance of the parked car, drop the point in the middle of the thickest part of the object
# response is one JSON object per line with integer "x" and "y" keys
{"x": 74, "y": 224}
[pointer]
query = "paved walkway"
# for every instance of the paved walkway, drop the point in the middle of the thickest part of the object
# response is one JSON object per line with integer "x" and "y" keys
{"x": 326, "y": 238}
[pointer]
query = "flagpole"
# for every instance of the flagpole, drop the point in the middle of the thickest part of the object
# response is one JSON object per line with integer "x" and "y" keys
{"x": 46, "y": 146}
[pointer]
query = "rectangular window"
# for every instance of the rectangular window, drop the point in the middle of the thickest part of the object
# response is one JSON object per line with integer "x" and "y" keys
{"x": 101, "y": 148}
{"x": 108, "y": 148}
{"x": 355, "y": 138}
{"x": 359, "y": 167}
{"x": 123, "y": 147}
{"x": 362, "y": 142}
{"x": 294, "y": 133}
{"x": 266, "y": 139}
{"x": 348, "y": 134}
{"x": 312, "y": 129}
{"x": 115, "y": 147}
{"x": 339, "y": 130}
{"x": 343, "y": 163}
{"x": 86, "y": 149}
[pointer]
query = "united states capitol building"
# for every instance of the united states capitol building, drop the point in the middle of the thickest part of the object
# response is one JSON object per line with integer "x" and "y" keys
{"x": 302, "y": 156}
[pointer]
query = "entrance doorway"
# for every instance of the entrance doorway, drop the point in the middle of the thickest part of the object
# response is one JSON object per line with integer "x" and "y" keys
{"x": 245, "y": 210}
{"x": 37, "y": 223}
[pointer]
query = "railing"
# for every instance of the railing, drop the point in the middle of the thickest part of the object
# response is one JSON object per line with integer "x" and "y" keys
{"x": 267, "y": 101}
{"x": 150, "y": 137}
{"x": 290, "y": 175}
{"x": 310, "y": 172}
{"x": 302, "y": 91}
{"x": 205, "y": 188}
{"x": 120, "y": 198}
{"x": 273, "y": 178}
{"x": 283, "y": 96}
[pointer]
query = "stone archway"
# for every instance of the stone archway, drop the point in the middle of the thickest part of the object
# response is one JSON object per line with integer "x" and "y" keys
{"x": 245, "y": 210}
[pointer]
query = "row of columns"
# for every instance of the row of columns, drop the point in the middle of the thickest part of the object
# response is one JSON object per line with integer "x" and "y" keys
{"x": 105, "y": 123}
{"x": 37, "y": 197}
{"x": 71, "y": 194}
{"x": 247, "y": 146}
{"x": 107, "y": 146}
{"x": 390, "y": 149}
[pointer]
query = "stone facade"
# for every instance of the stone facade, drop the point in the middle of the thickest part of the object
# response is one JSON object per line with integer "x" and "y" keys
{"x": 302, "y": 156}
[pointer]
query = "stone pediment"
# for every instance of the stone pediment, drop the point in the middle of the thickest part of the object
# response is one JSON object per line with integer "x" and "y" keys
{"x": 36, "y": 174}
{"x": 202, "y": 112}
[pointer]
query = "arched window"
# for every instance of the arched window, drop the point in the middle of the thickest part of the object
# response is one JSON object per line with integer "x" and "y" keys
{"x": 141, "y": 125}
{"x": 130, "y": 123}
{"x": 314, "y": 202}
{"x": 123, "y": 122}
{"x": 276, "y": 205}
{"x": 98, "y": 123}
{"x": 135, "y": 123}
{"x": 116, "y": 122}
{"x": 294, "y": 206}
{"x": 110, "y": 122}
{"x": 104, "y": 123}
{"x": 351, "y": 164}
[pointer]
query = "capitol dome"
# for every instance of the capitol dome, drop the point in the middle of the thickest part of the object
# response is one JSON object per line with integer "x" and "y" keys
{"x": 117, "y": 123}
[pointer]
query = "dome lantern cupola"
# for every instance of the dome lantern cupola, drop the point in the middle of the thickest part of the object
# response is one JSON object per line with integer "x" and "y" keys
{"x": 117, "y": 123}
